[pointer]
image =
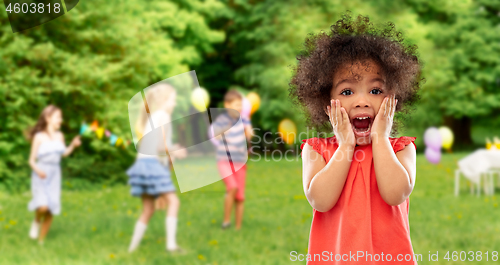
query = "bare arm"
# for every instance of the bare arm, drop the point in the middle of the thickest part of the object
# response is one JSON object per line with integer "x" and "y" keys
{"x": 395, "y": 171}
{"x": 74, "y": 143}
{"x": 32, "y": 159}
{"x": 248, "y": 132}
{"x": 323, "y": 182}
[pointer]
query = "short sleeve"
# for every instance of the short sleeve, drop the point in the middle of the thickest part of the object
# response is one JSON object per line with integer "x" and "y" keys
{"x": 246, "y": 121}
{"x": 399, "y": 144}
{"x": 316, "y": 143}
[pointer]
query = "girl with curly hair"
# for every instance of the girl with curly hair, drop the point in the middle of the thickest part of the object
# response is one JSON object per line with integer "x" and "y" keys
{"x": 354, "y": 79}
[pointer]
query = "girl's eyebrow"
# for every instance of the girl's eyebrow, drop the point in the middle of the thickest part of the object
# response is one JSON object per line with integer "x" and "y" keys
{"x": 351, "y": 80}
{"x": 346, "y": 81}
{"x": 377, "y": 79}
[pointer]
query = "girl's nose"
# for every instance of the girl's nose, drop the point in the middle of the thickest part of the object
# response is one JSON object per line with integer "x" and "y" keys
{"x": 362, "y": 101}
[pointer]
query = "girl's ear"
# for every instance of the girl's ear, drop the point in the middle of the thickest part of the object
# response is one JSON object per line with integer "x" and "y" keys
{"x": 326, "y": 111}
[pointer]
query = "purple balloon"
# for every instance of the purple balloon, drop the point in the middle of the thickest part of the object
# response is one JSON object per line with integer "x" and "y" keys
{"x": 432, "y": 138}
{"x": 432, "y": 155}
{"x": 246, "y": 108}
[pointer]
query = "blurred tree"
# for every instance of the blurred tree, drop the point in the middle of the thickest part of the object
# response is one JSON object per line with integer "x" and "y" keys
{"x": 90, "y": 62}
{"x": 464, "y": 73}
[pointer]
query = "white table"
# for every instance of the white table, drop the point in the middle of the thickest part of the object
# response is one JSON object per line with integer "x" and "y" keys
{"x": 479, "y": 166}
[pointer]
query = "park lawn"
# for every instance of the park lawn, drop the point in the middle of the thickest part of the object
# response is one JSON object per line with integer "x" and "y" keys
{"x": 95, "y": 226}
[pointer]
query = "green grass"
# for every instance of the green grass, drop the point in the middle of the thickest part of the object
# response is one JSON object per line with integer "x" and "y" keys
{"x": 95, "y": 226}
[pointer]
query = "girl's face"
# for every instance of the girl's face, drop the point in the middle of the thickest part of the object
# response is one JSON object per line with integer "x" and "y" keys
{"x": 360, "y": 90}
{"x": 55, "y": 119}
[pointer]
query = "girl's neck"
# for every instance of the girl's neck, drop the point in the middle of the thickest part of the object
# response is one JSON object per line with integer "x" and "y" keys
{"x": 50, "y": 131}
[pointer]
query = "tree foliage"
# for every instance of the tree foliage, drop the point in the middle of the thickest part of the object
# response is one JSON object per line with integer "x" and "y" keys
{"x": 464, "y": 70}
{"x": 90, "y": 62}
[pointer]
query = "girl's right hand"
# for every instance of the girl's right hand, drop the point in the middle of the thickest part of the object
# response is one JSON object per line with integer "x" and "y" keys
{"x": 341, "y": 124}
{"x": 41, "y": 174}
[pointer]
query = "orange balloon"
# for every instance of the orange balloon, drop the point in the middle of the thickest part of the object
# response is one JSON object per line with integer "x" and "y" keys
{"x": 254, "y": 101}
{"x": 287, "y": 131}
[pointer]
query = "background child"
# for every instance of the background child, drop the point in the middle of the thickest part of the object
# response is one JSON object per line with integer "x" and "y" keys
{"x": 235, "y": 141}
{"x": 359, "y": 181}
{"x": 149, "y": 179}
{"x": 47, "y": 147}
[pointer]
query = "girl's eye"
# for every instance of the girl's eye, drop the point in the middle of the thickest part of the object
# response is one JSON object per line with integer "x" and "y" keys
{"x": 346, "y": 92}
{"x": 376, "y": 91}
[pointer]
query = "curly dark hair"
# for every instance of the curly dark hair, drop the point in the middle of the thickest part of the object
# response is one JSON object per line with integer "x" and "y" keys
{"x": 350, "y": 41}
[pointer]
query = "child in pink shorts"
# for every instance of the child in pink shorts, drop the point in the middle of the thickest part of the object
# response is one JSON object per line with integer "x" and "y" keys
{"x": 235, "y": 147}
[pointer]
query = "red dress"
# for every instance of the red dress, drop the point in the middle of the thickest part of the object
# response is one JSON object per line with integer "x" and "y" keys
{"x": 361, "y": 223}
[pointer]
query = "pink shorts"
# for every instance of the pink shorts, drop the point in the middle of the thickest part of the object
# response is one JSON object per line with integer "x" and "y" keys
{"x": 235, "y": 180}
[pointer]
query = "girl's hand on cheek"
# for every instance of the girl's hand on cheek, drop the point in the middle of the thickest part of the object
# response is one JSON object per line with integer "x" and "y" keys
{"x": 341, "y": 124}
{"x": 381, "y": 127}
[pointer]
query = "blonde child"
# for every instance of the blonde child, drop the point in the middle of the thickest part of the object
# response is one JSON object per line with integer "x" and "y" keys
{"x": 47, "y": 147}
{"x": 149, "y": 179}
{"x": 358, "y": 182}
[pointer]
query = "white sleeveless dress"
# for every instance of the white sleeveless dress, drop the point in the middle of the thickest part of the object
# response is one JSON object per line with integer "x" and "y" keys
{"x": 47, "y": 192}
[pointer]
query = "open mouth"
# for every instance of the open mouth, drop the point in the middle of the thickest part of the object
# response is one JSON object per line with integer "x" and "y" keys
{"x": 361, "y": 125}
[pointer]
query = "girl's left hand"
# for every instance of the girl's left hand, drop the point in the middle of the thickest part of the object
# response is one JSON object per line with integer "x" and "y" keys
{"x": 382, "y": 125}
{"x": 76, "y": 141}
